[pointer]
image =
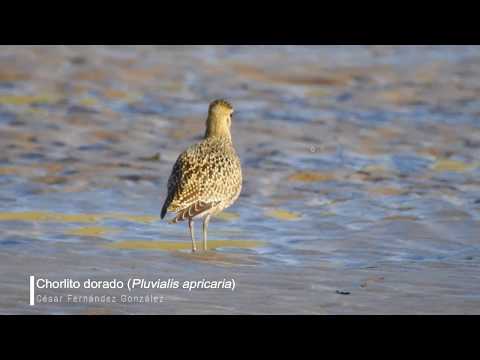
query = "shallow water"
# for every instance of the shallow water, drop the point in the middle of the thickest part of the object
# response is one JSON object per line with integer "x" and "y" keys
{"x": 361, "y": 176}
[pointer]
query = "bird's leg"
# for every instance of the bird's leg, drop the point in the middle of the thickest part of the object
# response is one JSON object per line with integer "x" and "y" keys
{"x": 205, "y": 228}
{"x": 191, "y": 227}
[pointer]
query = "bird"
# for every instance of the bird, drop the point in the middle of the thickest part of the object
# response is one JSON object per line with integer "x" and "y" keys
{"x": 207, "y": 177}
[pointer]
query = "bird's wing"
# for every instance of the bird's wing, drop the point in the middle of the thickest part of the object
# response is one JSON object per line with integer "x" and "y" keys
{"x": 183, "y": 183}
{"x": 198, "y": 180}
{"x": 173, "y": 180}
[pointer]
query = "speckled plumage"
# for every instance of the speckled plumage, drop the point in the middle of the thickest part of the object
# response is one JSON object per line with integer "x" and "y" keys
{"x": 207, "y": 177}
{"x": 207, "y": 174}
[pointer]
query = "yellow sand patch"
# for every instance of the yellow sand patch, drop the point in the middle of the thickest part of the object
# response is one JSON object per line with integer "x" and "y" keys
{"x": 83, "y": 218}
{"x": 227, "y": 216}
{"x": 47, "y": 216}
{"x": 451, "y": 165}
{"x": 283, "y": 215}
{"x": 29, "y": 99}
{"x": 92, "y": 231}
{"x": 134, "y": 218}
{"x": 386, "y": 191}
{"x": 311, "y": 176}
{"x": 80, "y": 218}
{"x": 320, "y": 92}
{"x": 186, "y": 245}
{"x": 115, "y": 94}
{"x": 50, "y": 180}
{"x": 401, "y": 218}
{"x": 171, "y": 86}
{"x": 88, "y": 102}
{"x": 8, "y": 170}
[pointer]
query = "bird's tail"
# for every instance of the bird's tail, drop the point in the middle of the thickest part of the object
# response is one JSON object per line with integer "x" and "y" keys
{"x": 193, "y": 210}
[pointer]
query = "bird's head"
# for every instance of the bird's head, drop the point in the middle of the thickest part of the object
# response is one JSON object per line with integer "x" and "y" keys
{"x": 219, "y": 119}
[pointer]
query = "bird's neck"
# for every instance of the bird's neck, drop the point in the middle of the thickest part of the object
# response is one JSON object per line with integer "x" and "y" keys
{"x": 216, "y": 129}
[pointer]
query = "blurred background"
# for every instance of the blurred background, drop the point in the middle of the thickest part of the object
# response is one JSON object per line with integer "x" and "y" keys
{"x": 361, "y": 174}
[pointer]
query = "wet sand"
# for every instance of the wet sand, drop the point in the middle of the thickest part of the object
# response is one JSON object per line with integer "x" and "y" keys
{"x": 361, "y": 176}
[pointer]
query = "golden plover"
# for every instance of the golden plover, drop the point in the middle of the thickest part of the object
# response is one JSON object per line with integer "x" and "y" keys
{"x": 207, "y": 177}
